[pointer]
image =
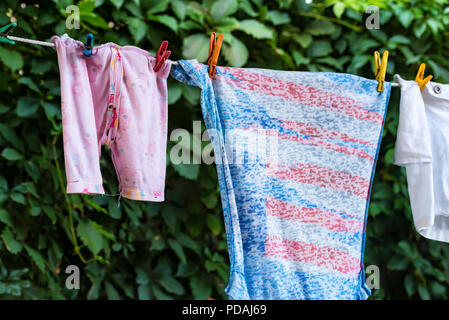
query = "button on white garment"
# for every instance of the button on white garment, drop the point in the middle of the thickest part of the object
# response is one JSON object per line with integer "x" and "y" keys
{"x": 422, "y": 147}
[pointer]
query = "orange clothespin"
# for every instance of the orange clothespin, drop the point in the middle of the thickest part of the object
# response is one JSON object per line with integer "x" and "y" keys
{"x": 380, "y": 69}
{"x": 214, "y": 52}
{"x": 420, "y": 77}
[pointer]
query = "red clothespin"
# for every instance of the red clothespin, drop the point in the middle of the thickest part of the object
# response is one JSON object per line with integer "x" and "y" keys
{"x": 214, "y": 52}
{"x": 162, "y": 55}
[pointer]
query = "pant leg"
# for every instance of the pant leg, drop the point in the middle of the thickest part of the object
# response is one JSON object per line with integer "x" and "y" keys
{"x": 81, "y": 152}
{"x": 139, "y": 151}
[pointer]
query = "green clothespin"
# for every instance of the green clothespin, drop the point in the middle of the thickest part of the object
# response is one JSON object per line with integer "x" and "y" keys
{"x": 4, "y": 33}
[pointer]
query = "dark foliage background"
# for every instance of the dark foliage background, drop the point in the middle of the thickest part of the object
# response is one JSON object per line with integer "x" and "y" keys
{"x": 177, "y": 249}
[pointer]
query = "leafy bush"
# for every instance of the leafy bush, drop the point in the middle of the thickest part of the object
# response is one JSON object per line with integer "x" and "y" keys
{"x": 177, "y": 249}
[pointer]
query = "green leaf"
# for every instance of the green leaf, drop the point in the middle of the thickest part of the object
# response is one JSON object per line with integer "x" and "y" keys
{"x": 177, "y": 248}
{"x": 201, "y": 287}
{"x": 11, "y": 244}
{"x": 36, "y": 257}
{"x": 93, "y": 19}
{"x": 256, "y": 29}
{"x": 40, "y": 66}
{"x": 223, "y": 8}
{"x": 90, "y": 237}
{"x": 111, "y": 292}
{"x": 409, "y": 284}
{"x": 398, "y": 263}
{"x": 11, "y": 154}
{"x": 5, "y": 217}
{"x": 339, "y": 9}
{"x": 137, "y": 28}
{"x": 227, "y": 25}
{"x": 114, "y": 210}
{"x": 434, "y": 25}
{"x": 171, "y": 285}
{"x": 438, "y": 290}
{"x": 156, "y": 6}
{"x": 122, "y": 281}
{"x": 186, "y": 270}
{"x": 407, "y": 250}
{"x": 187, "y": 242}
{"x": 188, "y": 171}
{"x": 321, "y": 27}
{"x": 400, "y": 39}
{"x": 319, "y": 48}
{"x": 94, "y": 291}
{"x": 196, "y": 47}
{"x": 304, "y": 39}
{"x": 51, "y": 213}
{"x": 423, "y": 291}
{"x": 166, "y": 20}
{"x": 236, "y": 53}
{"x": 277, "y": 18}
{"x": 419, "y": 29}
{"x": 210, "y": 200}
{"x": 12, "y": 59}
{"x": 117, "y": 3}
{"x": 27, "y": 106}
{"x": 34, "y": 210}
{"x": 51, "y": 110}
{"x": 86, "y": 5}
{"x": 214, "y": 223}
{"x": 405, "y": 17}
{"x": 179, "y": 8}
{"x": 18, "y": 197}
{"x": 144, "y": 292}
{"x": 10, "y": 135}
{"x": 29, "y": 83}
{"x": 101, "y": 230}
{"x": 157, "y": 243}
{"x": 159, "y": 293}
{"x": 300, "y": 59}
{"x": 142, "y": 276}
{"x": 169, "y": 215}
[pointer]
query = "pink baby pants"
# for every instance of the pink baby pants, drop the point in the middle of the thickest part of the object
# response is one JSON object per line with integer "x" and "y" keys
{"x": 115, "y": 98}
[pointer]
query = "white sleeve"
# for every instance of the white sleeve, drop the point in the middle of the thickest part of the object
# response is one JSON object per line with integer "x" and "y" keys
{"x": 412, "y": 139}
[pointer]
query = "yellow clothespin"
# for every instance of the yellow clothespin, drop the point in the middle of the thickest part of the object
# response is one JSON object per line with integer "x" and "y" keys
{"x": 420, "y": 77}
{"x": 380, "y": 69}
{"x": 214, "y": 52}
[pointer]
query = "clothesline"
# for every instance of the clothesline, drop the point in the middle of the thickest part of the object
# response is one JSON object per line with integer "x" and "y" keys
{"x": 52, "y": 45}
{"x": 48, "y": 44}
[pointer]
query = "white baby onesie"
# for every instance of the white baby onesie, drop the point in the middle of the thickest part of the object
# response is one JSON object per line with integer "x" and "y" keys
{"x": 422, "y": 147}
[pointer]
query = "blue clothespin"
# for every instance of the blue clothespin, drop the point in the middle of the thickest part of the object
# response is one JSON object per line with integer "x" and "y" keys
{"x": 88, "y": 45}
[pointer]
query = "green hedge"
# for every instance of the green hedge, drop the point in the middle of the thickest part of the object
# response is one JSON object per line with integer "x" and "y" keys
{"x": 177, "y": 249}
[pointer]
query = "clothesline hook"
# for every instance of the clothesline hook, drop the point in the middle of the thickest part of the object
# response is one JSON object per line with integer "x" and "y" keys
{"x": 4, "y": 31}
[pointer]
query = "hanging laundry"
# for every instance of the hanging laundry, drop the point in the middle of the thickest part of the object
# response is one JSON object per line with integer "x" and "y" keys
{"x": 113, "y": 97}
{"x": 295, "y": 155}
{"x": 422, "y": 147}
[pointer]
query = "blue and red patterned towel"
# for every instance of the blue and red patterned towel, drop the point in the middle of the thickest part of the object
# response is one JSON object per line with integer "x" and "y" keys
{"x": 295, "y": 155}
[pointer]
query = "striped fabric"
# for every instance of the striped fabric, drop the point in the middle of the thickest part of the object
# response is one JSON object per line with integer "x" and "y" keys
{"x": 295, "y": 155}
